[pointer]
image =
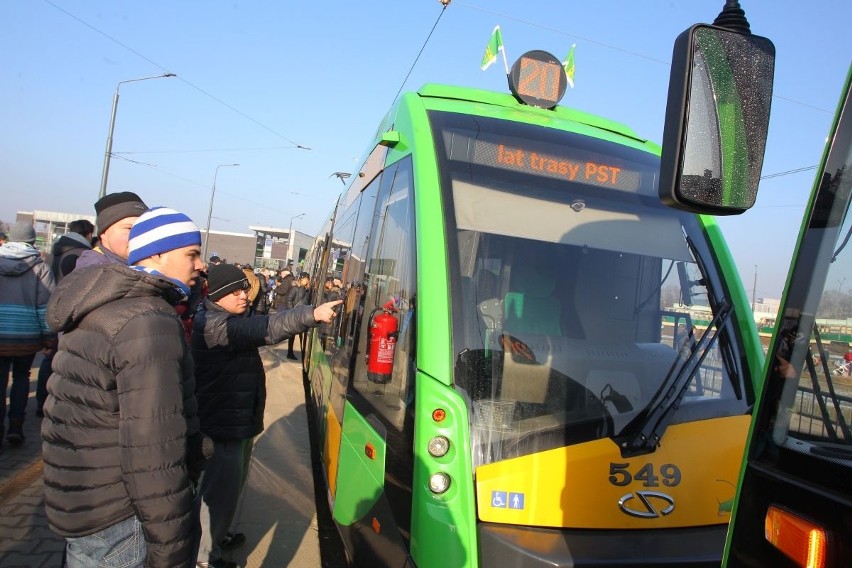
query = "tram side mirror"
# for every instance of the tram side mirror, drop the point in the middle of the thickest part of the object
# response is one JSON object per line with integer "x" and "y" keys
{"x": 717, "y": 117}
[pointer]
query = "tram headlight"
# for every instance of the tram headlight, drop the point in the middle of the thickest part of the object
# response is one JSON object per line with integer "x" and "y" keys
{"x": 438, "y": 446}
{"x": 439, "y": 483}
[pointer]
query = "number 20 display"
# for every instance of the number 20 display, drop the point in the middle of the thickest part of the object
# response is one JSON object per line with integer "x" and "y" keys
{"x": 538, "y": 79}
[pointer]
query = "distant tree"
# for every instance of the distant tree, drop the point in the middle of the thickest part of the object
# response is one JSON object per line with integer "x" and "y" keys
{"x": 835, "y": 305}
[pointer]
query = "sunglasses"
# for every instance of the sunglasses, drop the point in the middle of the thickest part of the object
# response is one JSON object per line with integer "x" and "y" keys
{"x": 244, "y": 286}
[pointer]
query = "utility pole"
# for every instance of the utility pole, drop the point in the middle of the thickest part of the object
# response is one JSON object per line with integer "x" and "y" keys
{"x": 210, "y": 211}
{"x": 754, "y": 291}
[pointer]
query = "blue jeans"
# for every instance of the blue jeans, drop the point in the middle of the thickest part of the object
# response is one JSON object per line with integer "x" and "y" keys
{"x": 20, "y": 391}
{"x": 121, "y": 545}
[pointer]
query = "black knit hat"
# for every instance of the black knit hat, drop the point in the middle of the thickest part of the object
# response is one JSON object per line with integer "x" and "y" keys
{"x": 114, "y": 207}
{"x": 223, "y": 279}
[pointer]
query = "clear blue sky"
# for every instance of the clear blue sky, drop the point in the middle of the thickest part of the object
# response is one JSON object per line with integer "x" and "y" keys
{"x": 257, "y": 78}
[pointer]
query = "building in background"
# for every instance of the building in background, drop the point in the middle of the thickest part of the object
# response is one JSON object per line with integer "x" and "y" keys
{"x": 231, "y": 247}
{"x": 50, "y": 225}
{"x": 276, "y": 250}
{"x": 266, "y": 247}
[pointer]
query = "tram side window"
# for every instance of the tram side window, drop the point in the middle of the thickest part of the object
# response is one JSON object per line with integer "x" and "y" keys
{"x": 332, "y": 335}
{"x": 387, "y": 388}
{"x": 352, "y": 229}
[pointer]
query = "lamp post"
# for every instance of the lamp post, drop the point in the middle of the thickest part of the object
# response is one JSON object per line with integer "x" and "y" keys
{"x": 108, "y": 152}
{"x": 754, "y": 290}
{"x": 290, "y": 235}
{"x": 210, "y": 211}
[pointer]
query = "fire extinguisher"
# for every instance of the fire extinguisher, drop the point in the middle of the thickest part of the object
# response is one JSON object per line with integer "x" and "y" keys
{"x": 383, "y": 333}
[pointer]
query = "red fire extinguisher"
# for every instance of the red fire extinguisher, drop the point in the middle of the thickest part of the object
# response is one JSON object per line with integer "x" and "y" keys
{"x": 384, "y": 331}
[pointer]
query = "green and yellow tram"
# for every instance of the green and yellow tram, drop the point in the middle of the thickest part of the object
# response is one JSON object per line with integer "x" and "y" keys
{"x": 514, "y": 378}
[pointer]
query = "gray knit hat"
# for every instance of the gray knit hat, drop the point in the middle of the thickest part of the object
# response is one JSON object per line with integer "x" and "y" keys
{"x": 22, "y": 232}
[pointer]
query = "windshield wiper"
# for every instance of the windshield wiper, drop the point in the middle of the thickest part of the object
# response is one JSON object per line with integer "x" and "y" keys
{"x": 832, "y": 395}
{"x": 648, "y": 428}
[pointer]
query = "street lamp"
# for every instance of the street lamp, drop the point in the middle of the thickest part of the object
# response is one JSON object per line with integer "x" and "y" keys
{"x": 108, "y": 152}
{"x": 210, "y": 211}
{"x": 290, "y": 236}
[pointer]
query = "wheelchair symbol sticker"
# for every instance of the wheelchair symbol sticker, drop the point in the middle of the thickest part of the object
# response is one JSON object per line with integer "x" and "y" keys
{"x": 498, "y": 499}
{"x": 505, "y": 500}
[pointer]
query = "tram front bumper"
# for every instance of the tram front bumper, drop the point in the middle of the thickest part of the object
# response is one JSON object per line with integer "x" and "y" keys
{"x": 534, "y": 547}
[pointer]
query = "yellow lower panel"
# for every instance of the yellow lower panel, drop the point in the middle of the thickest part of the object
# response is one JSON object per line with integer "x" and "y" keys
{"x": 690, "y": 480}
{"x": 331, "y": 449}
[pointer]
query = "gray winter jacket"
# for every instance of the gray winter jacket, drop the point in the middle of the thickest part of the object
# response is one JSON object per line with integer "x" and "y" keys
{"x": 26, "y": 283}
{"x": 121, "y": 433}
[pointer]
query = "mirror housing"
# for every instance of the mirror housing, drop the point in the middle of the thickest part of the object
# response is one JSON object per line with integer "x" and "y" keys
{"x": 717, "y": 118}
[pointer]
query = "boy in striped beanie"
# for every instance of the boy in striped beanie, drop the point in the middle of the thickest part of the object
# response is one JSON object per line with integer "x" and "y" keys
{"x": 123, "y": 478}
{"x": 167, "y": 243}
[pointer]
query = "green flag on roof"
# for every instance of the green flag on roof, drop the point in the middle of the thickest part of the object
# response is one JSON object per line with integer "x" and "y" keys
{"x": 568, "y": 65}
{"x": 495, "y": 44}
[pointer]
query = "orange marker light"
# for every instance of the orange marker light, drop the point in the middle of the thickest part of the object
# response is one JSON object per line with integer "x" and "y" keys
{"x": 439, "y": 414}
{"x": 377, "y": 526}
{"x": 370, "y": 451}
{"x": 803, "y": 541}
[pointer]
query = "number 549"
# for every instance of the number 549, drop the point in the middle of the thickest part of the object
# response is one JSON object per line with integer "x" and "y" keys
{"x": 620, "y": 475}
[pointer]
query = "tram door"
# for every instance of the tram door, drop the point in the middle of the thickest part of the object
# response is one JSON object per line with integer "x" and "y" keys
{"x": 374, "y": 469}
{"x": 794, "y": 505}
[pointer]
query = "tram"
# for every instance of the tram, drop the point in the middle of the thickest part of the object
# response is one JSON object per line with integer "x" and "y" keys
{"x": 794, "y": 506}
{"x": 510, "y": 381}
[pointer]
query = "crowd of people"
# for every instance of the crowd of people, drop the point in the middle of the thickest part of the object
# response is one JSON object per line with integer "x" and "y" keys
{"x": 151, "y": 389}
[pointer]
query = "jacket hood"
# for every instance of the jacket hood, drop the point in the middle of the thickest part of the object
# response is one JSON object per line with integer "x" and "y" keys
{"x": 91, "y": 287}
{"x": 17, "y": 258}
{"x": 70, "y": 241}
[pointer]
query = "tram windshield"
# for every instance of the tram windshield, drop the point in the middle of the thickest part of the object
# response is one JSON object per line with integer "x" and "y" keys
{"x": 577, "y": 295}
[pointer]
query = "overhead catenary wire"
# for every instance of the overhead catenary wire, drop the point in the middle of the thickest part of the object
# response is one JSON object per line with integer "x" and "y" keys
{"x": 444, "y": 4}
{"x": 202, "y": 150}
{"x": 610, "y": 46}
{"x": 788, "y": 172}
{"x": 179, "y": 77}
{"x": 242, "y": 197}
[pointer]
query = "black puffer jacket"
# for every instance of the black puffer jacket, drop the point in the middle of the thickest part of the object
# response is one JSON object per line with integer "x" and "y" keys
{"x": 121, "y": 428}
{"x": 65, "y": 252}
{"x": 297, "y": 296}
{"x": 231, "y": 382}
{"x": 279, "y": 301}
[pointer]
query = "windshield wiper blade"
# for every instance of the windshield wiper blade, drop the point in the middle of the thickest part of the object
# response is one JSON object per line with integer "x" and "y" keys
{"x": 650, "y": 426}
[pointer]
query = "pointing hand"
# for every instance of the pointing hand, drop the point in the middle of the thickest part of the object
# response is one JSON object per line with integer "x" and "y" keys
{"x": 325, "y": 312}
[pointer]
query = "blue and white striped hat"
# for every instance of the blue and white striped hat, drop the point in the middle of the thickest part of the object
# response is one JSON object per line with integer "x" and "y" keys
{"x": 160, "y": 230}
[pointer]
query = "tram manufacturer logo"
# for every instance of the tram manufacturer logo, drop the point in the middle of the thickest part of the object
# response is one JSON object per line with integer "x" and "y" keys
{"x": 646, "y": 504}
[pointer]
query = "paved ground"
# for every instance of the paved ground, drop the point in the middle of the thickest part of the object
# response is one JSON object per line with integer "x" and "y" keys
{"x": 279, "y": 514}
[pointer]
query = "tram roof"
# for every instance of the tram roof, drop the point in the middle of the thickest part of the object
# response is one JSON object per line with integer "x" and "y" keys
{"x": 439, "y": 92}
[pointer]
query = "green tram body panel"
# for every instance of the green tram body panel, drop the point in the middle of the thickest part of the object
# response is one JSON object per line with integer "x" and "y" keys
{"x": 362, "y": 486}
{"x": 443, "y": 529}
